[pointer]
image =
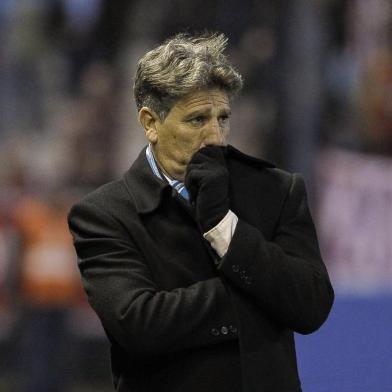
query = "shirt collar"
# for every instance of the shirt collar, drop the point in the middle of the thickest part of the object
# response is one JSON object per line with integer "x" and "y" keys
{"x": 152, "y": 162}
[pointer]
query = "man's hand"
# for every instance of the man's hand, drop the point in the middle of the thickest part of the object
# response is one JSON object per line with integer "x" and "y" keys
{"x": 207, "y": 181}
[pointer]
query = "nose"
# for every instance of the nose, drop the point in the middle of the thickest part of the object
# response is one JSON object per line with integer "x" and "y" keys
{"x": 214, "y": 134}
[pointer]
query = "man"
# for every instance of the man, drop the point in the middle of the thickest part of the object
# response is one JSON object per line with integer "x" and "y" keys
{"x": 201, "y": 261}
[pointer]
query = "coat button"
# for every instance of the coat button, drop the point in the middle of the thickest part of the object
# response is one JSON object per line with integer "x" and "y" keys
{"x": 224, "y": 330}
{"x": 232, "y": 329}
{"x": 235, "y": 267}
{"x": 215, "y": 332}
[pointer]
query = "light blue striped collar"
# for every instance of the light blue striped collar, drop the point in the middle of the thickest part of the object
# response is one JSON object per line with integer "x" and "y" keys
{"x": 152, "y": 162}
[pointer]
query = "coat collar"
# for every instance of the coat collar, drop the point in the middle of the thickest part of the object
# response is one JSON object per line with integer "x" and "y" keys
{"x": 144, "y": 186}
{"x": 148, "y": 190}
{"x": 233, "y": 154}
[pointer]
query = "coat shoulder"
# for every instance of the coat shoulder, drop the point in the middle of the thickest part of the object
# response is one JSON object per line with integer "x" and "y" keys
{"x": 111, "y": 198}
{"x": 252, "y": 170}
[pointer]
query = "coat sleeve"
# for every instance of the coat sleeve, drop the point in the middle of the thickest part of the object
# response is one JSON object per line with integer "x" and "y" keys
{"x": 142, "y": 319}
{"x": 286, "y": 276}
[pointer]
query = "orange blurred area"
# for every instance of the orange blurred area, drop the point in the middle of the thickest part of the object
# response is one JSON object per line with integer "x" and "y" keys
{"x": 48, "y": 275}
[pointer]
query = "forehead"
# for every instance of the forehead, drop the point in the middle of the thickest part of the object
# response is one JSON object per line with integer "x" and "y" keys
{"x": 204, "y": 99}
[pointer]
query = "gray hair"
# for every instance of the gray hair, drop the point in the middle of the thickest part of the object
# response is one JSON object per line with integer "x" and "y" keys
{"x": 181, "y": 65}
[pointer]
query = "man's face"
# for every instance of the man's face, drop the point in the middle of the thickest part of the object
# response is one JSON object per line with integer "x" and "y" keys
{"x": 197, "y": 120}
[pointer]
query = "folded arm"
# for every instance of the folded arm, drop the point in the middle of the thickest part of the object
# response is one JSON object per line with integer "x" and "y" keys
{"x": 144, "y": 320}
{"x": 286, "y": 276}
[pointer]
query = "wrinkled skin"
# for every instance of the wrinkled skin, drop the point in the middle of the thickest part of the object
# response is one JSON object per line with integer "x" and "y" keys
{"x": 196, "y": 120}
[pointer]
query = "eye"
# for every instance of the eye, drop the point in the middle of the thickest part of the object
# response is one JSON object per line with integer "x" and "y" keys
{"x": 197, "y": 121}
{"x": 224, "y": 119}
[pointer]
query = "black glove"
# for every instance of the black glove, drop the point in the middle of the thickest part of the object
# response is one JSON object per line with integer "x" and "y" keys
{"x": 207, "y": 181}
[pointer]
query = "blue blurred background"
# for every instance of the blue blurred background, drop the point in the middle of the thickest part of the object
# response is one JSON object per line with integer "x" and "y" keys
{"x": 317, "y": 99}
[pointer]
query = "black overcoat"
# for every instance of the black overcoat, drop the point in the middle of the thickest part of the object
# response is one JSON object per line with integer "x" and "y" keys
{"x": 175, "y": 319}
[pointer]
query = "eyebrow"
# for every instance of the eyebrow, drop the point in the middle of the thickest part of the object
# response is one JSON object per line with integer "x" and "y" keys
{"x": 203, "y": 112}
{"x": 196, "y": 113}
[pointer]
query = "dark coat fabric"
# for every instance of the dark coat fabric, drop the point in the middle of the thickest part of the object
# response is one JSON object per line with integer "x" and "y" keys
{"x": 180, "y": 320}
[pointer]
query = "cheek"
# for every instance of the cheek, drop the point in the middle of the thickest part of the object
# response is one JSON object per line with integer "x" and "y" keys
{"x": 226, "y": 128}
{"x": 179, "y": 146}
{"x": 226, "y": 132}
{"x": 188, "y": 145}
{"x": 187, "y": 141}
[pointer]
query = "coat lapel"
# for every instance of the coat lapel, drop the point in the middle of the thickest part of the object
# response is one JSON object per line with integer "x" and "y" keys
{"x": 146, "y": 189}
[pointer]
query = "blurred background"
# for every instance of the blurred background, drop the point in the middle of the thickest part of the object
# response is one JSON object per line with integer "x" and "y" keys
{"x": 317, "y": 99}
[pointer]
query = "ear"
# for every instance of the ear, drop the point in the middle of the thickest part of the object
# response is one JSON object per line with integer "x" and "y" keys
{"x": 148, "y": 119}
